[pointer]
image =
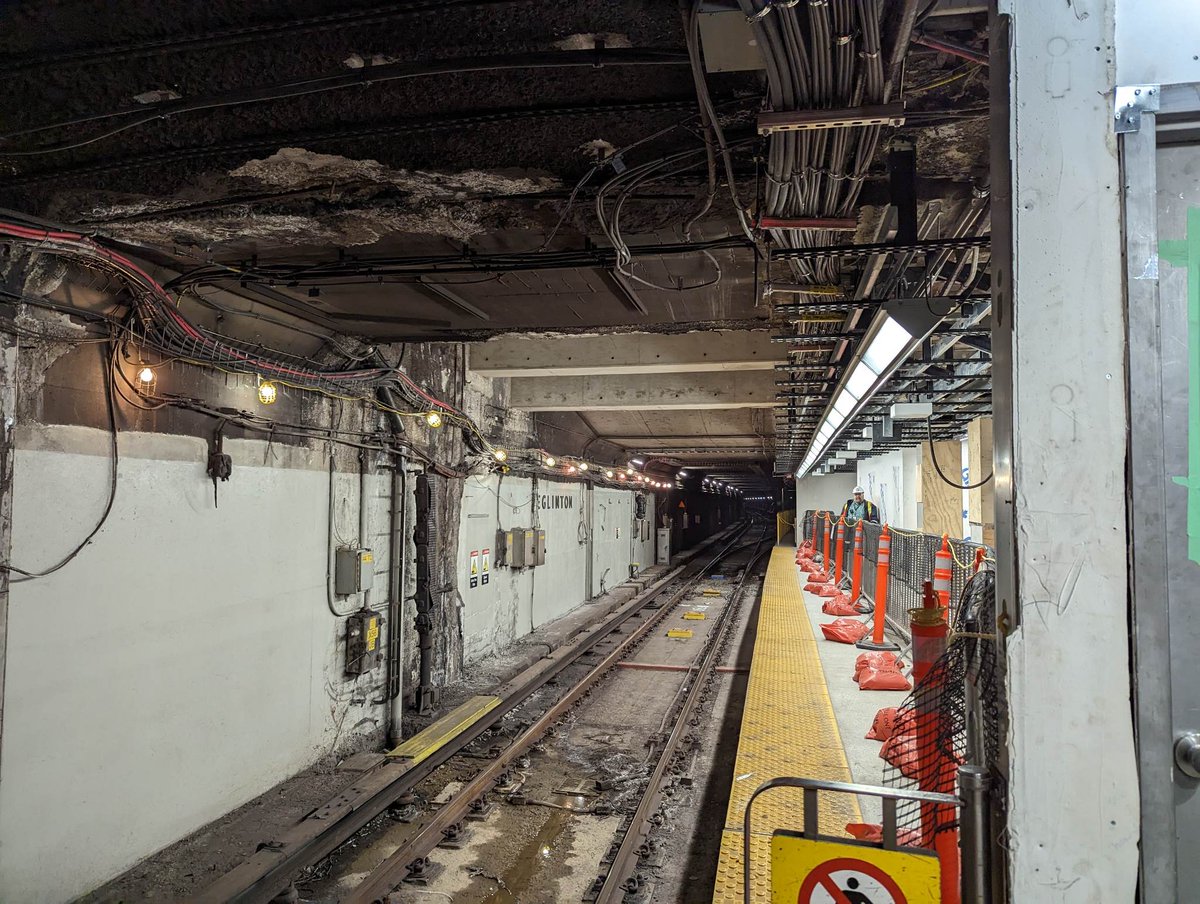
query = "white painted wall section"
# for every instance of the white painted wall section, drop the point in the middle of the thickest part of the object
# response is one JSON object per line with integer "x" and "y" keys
{"x": 1073, "y": 823}
{"x": 187, "y": 656}
{"x": 578, "y": 523}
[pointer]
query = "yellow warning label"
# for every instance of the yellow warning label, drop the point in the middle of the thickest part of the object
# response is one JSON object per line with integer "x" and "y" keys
{"x": 808, "y": 871}
{"x": 694, "y": 616}
{"x": 372, "y": 633}
{"x": 368, "y": 558}
{"x": 683, "y": 633}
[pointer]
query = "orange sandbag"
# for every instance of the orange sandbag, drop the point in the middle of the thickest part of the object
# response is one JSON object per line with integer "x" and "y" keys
{"x": 883, "y": 659}
{"x": 883, "y": 679}
{"x": 839, "y": 605}
{"x": 873, "y": 832}
{"x": 819, "y": 577}
{"x": 814, "y": 588}
{"x": 882, "y": 725}
{"x": 900, "y": 750}
{"x": 829, "y": 590}
{"x": 889, "y": 721}
{"x": 844, "y": 630}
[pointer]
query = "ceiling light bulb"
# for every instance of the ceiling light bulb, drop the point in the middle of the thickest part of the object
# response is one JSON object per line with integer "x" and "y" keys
{"x": 571, "y": 469}
{"x": 267, "y": 392}
{"x": 146, "y": 376}
{"x": 433, "y": 419}
{"x": 550, "y": 462}
{"x": 500, "y": 454}
{"x": 583, "y": 466}
{"x": 608, "y": 474}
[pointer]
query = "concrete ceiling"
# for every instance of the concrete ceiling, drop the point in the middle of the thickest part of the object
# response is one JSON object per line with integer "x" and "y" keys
{"x": 446, "y": 186}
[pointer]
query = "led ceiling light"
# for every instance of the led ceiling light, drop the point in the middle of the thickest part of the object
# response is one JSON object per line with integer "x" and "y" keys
{"x": 898, "y": 328}
{"x": 608, "y": 474}
{"x": 500, "y": 455}
{"x": 433, "y": 419}
{"x": 268, "y": 392}
{"x": 550, "y": 461}
{"x": 583, "y": 466}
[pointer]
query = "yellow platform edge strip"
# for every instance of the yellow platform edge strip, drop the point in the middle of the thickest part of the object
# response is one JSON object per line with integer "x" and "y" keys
{"x": 788, "y": 728}
{"x": 429, "y": 740}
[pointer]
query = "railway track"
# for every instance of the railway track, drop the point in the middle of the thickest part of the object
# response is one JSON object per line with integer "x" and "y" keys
{"x": 575, "y": 668}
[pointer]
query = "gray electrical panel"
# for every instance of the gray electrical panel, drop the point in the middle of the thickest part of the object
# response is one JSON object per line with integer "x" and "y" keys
{"x": 529, "y": 547}
{"x": 663, "y": 546}
{"x": 539, "y": 547}
{"x": 353, "y": 570}
{"x": 514, "y": 544}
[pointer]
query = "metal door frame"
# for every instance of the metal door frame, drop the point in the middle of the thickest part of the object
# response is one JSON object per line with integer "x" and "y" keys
{"x": 1145, "y": 117}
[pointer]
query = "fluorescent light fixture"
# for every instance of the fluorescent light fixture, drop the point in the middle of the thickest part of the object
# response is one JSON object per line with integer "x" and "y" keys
{"x": 896, "y": 330}
{"x": 860, "y": 445}
{"x": 912, "y": 411}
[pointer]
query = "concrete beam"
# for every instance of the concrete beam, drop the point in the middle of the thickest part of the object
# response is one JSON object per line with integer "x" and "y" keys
{"x": 633, "y": 392}
{"x": 629, "y": 353}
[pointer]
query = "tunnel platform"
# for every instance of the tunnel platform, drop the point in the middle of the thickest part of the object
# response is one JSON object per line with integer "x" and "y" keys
{"x": 804, "y": 717}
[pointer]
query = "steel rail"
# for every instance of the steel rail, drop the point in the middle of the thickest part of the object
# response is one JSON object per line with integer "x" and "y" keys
{"x": 620, "y": 878}
{"x": 260, "y": 877}
{"x": 431, "y": 831}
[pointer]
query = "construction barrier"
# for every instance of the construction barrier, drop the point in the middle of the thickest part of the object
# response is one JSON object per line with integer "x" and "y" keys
{"x": 910, "y": 562}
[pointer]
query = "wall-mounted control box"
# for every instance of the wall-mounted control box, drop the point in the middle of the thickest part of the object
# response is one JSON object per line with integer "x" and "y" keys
{"x": 511, "y": 545}
{"x": 521, "y": 547}
{"x": 353, "y": 570}
{"x": 363, "y": 651}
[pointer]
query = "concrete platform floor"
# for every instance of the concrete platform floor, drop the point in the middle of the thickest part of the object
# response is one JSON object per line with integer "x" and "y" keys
{"x": 854, "y": 709}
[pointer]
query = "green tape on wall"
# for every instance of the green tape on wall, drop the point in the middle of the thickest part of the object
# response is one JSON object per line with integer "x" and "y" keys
{"x": 1185, "y": 253}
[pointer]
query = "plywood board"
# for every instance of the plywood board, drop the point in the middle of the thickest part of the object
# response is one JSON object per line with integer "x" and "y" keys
{"x": 941, "y": 501}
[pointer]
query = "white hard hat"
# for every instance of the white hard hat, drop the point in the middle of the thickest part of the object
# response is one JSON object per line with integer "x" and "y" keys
{"x": 859, "y": 490}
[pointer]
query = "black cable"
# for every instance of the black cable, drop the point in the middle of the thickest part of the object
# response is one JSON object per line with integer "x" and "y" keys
{"x": 938, "y": 468}
{"x": 112, "y": 490}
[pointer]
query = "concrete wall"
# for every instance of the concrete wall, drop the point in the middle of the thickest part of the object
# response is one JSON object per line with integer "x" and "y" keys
{"x": 892, "y": 482}
{"x": 580, "y": 522}
{"x": 1073, "y": 832}
{"x": 187, "y": 657}
{"x": 829, "y": 492}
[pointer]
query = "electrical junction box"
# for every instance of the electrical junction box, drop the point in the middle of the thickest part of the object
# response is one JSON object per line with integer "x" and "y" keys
{"x": 539, "y": 547}
{"x": 363, "y": 652}
{"x": 353, "y": 570}
{"x": 663, "y": 546}
{"x": 512, "y": 546}
{"x": 529, "y": 544}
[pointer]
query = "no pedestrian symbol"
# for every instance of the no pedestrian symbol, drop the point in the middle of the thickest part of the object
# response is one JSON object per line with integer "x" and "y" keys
{"x": 811, "y": 871}
{"x": 849, "y": 881}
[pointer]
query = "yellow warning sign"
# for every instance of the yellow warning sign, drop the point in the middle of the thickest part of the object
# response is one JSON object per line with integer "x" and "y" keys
{"x": 372, "y": 634}
{"x": 474, "y": 562}
{"x": 807, "y": 871}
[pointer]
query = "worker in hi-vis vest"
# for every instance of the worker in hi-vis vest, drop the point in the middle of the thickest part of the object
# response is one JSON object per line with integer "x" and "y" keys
{"x": 860, "y": 508}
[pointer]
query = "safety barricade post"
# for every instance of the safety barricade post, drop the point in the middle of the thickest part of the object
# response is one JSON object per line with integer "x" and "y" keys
{"x": 882, "y": 566}
{"x": 839, "y": 543}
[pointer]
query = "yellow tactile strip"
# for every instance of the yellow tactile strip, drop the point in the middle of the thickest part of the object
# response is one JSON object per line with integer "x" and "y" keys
{"x": 788, "y": 728}
{"x": 423, "y": 744}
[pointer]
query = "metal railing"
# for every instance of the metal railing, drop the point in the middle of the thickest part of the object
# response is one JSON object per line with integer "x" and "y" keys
{"x": 912, "y": 558}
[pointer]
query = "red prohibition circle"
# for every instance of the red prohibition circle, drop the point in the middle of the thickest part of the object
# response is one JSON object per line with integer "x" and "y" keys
{"x": 824, "y": 872}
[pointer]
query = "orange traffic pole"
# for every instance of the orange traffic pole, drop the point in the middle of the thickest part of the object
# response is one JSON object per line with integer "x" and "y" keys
{"x": 813, "y": 544}
{"x": 838, "y": 551}
{"x": 825, "y": 531}
{"x": 941, "y": 573}
{"x": 935, "y": 771}
{"x": 882, "y": 565}
{"x": 856, "y": 568}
